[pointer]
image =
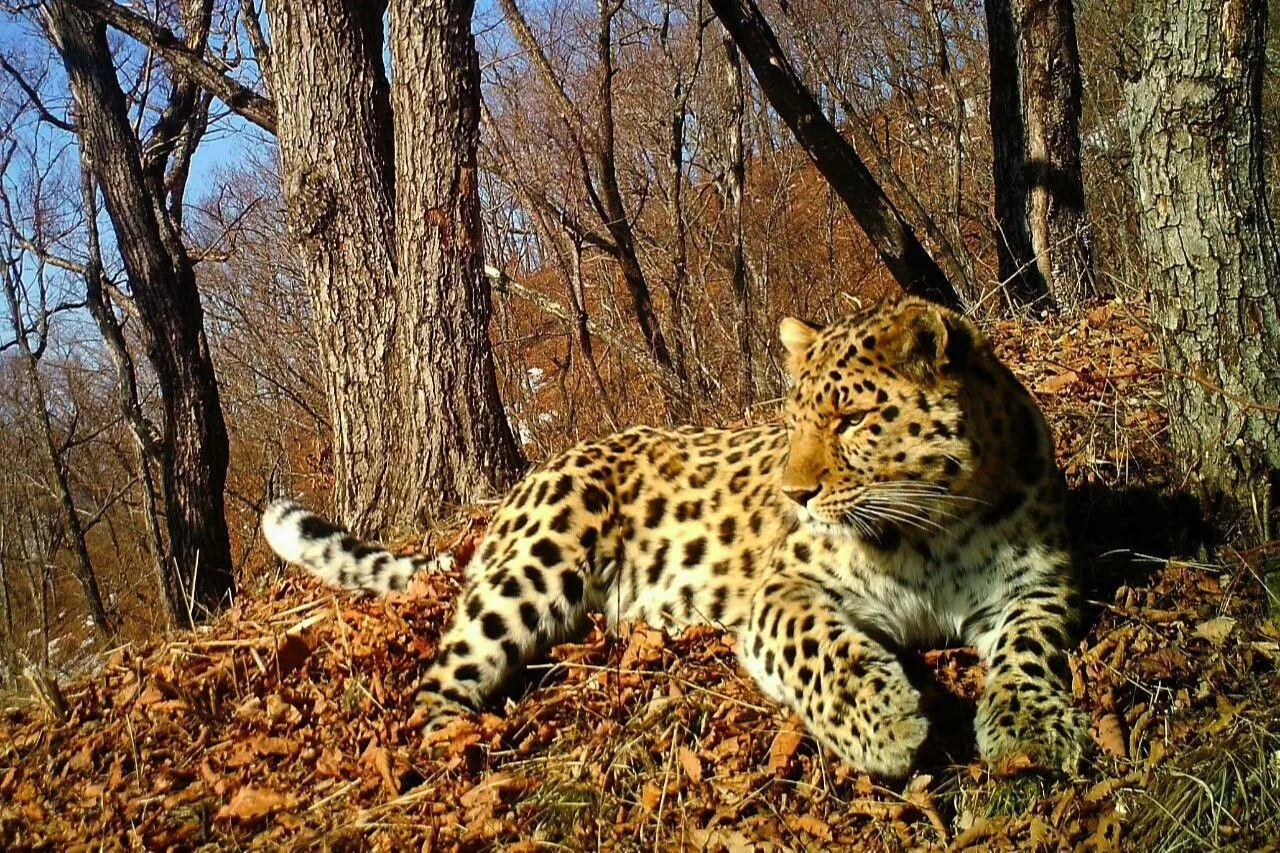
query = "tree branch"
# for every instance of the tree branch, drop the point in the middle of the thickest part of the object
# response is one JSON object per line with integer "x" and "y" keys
{"x": 503, "y": 283}
{"x": 186, "y": 61}
{"x": 34, "y": 97}
{"x": 834, "y": 157}
{"x": 257, "y": 40}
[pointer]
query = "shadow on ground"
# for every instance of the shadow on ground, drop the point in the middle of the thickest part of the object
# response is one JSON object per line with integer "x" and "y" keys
{"x": 1123, "y": 536}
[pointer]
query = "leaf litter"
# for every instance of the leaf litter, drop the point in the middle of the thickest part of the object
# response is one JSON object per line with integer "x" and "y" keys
{"x": 285, "y": 722}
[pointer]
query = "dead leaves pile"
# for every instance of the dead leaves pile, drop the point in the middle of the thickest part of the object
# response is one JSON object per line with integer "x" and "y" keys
{"x": 284, "y": 723}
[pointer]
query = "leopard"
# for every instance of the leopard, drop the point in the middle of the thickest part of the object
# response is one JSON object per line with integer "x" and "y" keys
{"x": 908, "y": 498}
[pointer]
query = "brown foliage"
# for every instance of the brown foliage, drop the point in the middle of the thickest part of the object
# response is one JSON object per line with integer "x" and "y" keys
{"x": 285, "y": 721}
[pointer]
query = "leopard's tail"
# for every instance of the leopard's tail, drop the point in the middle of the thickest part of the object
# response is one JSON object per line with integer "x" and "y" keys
{"x": 339, "y": 559}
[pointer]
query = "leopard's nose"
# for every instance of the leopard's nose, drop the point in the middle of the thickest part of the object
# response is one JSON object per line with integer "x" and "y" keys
{"x": 800, "y": 494}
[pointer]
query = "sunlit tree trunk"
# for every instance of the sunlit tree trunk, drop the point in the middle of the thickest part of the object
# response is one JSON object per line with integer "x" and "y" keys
{"x": 194, "y": 445}
{"x": 1042, "y": 239}
{"x": 1193, "y": 107}
{"x": 382, "y": 197}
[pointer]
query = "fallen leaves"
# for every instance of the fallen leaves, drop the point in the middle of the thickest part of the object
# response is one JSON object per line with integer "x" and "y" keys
{"x": 1216, "y": 630}
{"x": 690, "y": 763}
{"x": 287, "y": 720}
{"x": 252, "y": 803}
{"x": 1110, "y": 735}
{"x": 784, "y": 746}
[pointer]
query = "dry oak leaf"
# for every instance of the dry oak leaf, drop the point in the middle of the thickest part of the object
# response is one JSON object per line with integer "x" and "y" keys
{"x": 785, "y": 745}
{"x": 645, "y": 647}
{"x": 1057, "y": 383}
{"x": 650, "y": 796}
{"x": 253, "y": 802}
{"x": 689, "y": 761}
{"x": 815, "y": 826}
{"x": 1216, "y": 630}
{"x": 1110, "y": 736}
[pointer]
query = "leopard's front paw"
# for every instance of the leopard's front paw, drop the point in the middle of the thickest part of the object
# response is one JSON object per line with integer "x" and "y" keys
{"x": 889, "y": 729}
{"x": 1034, "y": 720}
{"x": 896, "y": 749}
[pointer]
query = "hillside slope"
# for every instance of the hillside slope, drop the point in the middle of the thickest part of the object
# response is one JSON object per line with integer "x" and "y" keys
{"x": 283, "y": 723}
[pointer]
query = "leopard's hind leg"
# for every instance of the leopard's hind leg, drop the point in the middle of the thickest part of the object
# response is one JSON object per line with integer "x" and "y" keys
{"x": 532, "y": 585}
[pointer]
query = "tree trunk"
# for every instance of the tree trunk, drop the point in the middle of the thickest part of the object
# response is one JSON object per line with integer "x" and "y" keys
{"x": 386, "y": 215}
{"x": 338, "y": 176}
{"x": 731, "y": 190}
{"x": 147, "y": 443}
{"x": 1042, "y": 242}
{"x": 1194, "y": 118}
{"x": 442, "y": 349}
{"x": 895, "y": 242}
{"x": 194, "y": 442}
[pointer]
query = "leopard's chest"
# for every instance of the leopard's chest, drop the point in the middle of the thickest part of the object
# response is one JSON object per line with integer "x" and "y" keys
{"x": 918, "y": 601}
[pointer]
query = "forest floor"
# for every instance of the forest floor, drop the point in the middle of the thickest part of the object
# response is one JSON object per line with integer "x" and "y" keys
{"x": 282, "y": 724}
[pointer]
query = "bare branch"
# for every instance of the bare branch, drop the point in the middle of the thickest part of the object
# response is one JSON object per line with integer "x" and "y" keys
{"x": 834, "y": 157}
{"x": 34, "y": 97}
{"x": 257, "y": 40}
{"x": 186, "y": 61}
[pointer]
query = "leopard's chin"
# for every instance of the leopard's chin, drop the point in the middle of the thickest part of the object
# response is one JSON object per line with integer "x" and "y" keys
{"x": 884, "y": 535}
{"x": 820, "y": 525}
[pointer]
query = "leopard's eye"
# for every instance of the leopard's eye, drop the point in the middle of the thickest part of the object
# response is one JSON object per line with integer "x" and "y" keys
{"x": 849, "y": 422}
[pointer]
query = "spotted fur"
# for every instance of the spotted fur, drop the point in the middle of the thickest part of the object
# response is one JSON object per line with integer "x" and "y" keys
{"x": 910, "y": 499}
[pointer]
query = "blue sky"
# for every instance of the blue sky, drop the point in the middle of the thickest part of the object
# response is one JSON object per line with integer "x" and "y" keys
{"x": 230, "y": 139}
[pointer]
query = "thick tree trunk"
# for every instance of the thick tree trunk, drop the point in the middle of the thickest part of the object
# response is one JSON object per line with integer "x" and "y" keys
{"x": 386, "y": 214}
{"x": 337, "y": 160}
{"x": 1194, "y": 116}
{"x": 895, "y": 242}
{"x": 194, "y": 443}
{"x": 443, "y": 351}
{"x": 1042, "y": 240}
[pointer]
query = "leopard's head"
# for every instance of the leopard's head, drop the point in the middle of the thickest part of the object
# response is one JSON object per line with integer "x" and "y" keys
{"x": 881, "y": 440}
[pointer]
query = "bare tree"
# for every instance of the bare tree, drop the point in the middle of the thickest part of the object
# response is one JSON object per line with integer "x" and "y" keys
{"x": 34, "y": 324}
{"x": 143, "y": 184}
{"x": 1194, "y": 112}
{"x": 595, "y": 145}
{"x": 381, "y": 190}
{"x": 1043, "y": 241}
{"x": 731, "y": 185}
{"x": 862, "y": 115}
{"x": 148, "y": 443}
{"x": 908, "y": 260}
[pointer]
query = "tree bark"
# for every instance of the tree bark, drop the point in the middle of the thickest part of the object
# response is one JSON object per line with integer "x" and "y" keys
{"x": 443, "y": 349}
{"x": 194, "y": 443}
{"x": 1194, "y": 117}
{"x": 386, "y": 214}
{"x": 895, "y": 242}
{"x": 1042, "y": 240}
{"x": 337, "y": 163}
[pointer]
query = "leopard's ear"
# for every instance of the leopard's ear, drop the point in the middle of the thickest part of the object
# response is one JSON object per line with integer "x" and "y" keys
{"x": 797, "y": 336}
{"x": 927, "y": 340}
